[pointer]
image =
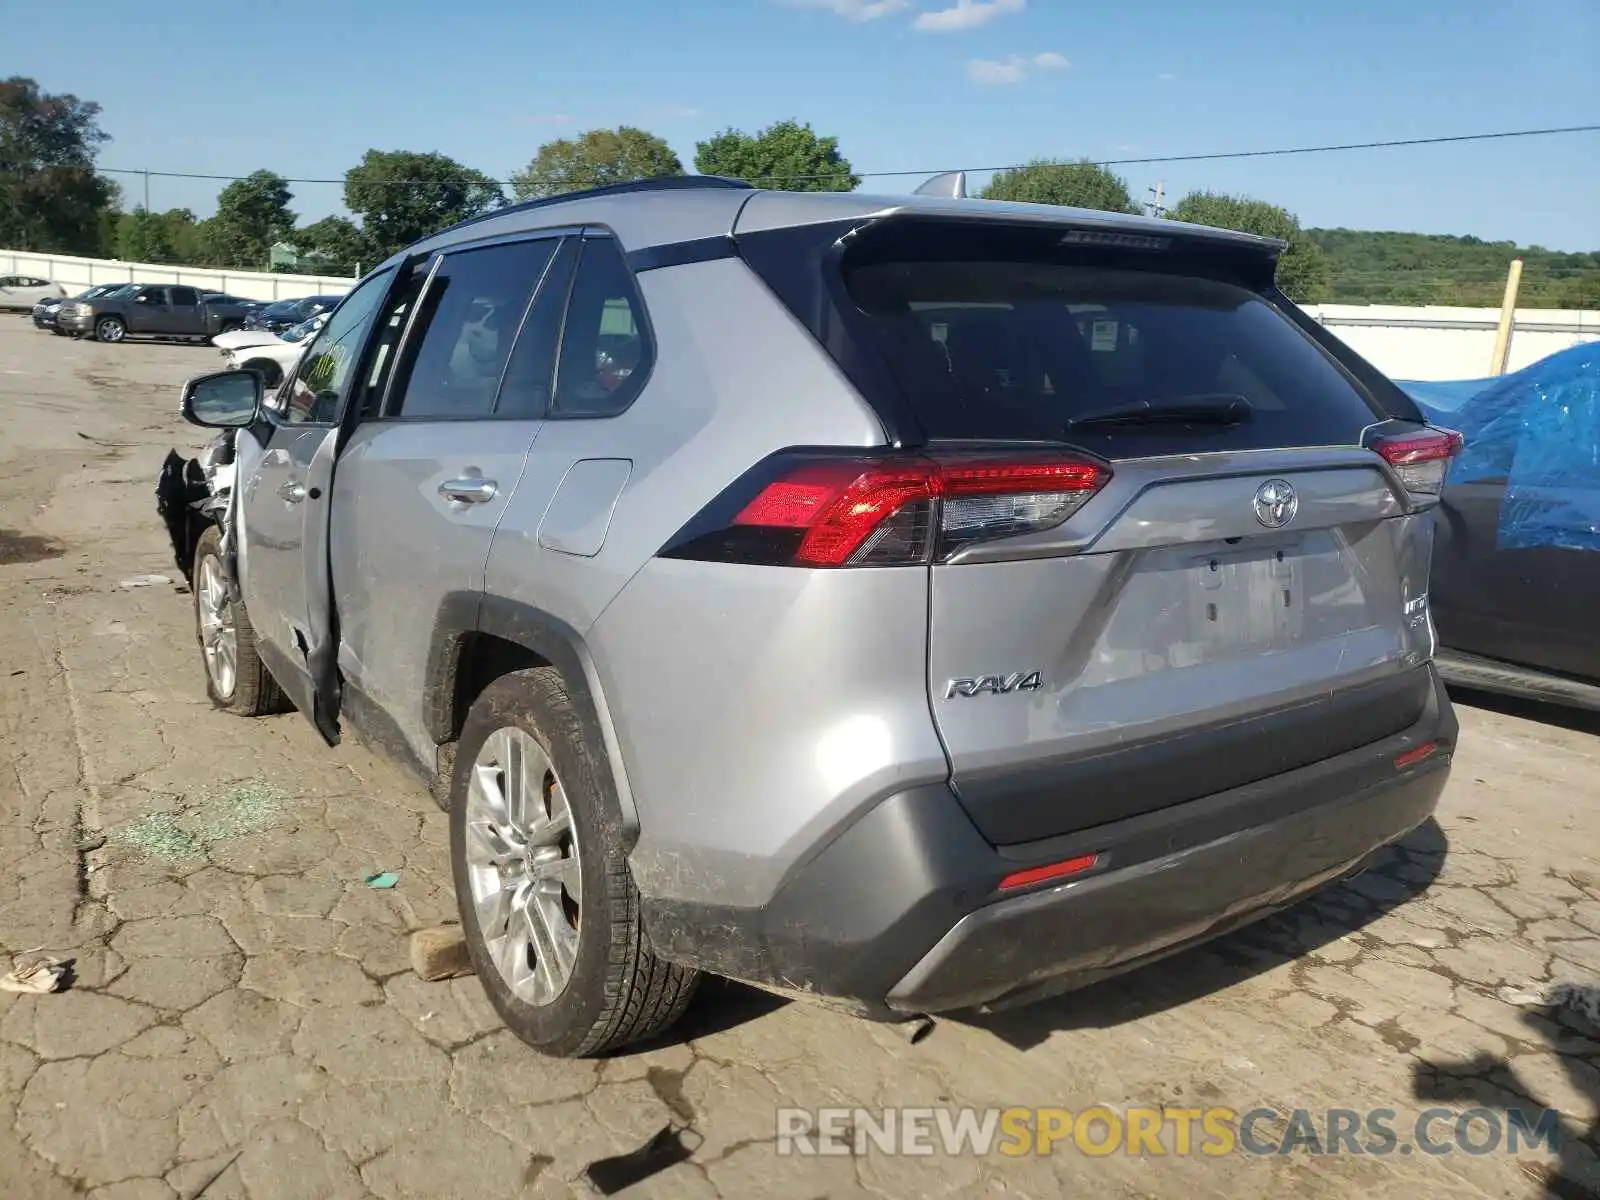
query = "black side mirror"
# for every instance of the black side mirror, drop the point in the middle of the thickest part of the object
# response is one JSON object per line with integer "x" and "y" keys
{"x": 226, "y": 400}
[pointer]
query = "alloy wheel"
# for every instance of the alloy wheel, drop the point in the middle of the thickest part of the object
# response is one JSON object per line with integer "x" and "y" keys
{"x": 523, "y": 865}
{"x": 218, "y": 637}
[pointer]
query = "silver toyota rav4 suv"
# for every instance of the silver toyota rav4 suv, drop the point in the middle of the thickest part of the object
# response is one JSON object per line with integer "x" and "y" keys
{"x": 912, "y": 603}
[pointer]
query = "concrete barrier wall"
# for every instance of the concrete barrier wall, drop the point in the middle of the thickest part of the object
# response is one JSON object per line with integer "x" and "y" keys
{"x": 76, "y": 274}
{"x": 1438, "y": 342}
{"x": 1426, "y": 343}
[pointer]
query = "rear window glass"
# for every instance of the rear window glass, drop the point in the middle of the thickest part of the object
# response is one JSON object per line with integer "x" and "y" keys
{"x": 1016, "y": 338}
{"x": 1019, "y": 349}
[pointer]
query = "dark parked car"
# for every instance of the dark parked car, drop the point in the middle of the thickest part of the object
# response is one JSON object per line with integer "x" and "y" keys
{"x": 46, "y": 311}
{"x": 150, "y": 310}
{"x": 1516, "y": 559}
{"x": 285, "y": 314}
{"x": 243, "y": 302}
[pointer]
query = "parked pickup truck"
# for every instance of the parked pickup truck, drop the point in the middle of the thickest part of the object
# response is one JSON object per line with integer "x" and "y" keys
{"x": 153, "y": 310}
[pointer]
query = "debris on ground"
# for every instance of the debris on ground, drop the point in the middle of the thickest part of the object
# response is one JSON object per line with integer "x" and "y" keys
{"x": 440, "y": 953}
{"x": 139, "y": 581}
{"x": 215, "y": 815}
{"x": 1585, "y": 1001}
{"x": 666, "y": 1149}
{"x": 37, "y": 974}
{"x": 914, "y": 1030}
{"x": 382, "y": 879}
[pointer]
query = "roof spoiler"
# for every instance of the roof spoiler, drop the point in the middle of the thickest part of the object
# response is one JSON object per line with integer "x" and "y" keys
{"x": 952, "y": 185}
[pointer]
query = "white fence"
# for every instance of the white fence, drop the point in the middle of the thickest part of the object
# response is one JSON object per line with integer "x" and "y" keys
{"x": 76, "y": 274}
{"x": 1429, "y": 343}
{"x": 1437, "y": 342}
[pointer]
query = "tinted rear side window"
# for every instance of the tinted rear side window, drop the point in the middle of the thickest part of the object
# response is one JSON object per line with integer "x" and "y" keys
{"x": 995, "y": 332}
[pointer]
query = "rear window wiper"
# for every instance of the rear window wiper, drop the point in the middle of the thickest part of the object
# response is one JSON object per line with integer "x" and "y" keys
{"x": 1208, "y": 408}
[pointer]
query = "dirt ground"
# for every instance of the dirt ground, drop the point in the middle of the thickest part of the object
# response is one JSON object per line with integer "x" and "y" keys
{"x": 243, "y": 1022}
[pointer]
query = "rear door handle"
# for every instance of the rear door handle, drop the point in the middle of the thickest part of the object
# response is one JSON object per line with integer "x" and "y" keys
{"x": 468, "y": 491}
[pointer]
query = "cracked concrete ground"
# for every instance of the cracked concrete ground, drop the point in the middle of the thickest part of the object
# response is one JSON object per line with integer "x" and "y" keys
{"x": 243, "y": 1023}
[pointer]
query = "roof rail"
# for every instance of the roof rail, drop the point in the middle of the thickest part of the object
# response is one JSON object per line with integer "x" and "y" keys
{"x": 659, "y": 183}
{"x": 952, "y": 185}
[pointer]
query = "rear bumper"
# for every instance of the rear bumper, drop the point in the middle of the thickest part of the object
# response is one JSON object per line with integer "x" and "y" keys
{"x": 901, "y": 912}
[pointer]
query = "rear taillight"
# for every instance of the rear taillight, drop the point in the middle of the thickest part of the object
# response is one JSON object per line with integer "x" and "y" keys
{"x": 810, "y": 509}
{"x": 1421, "y": 459}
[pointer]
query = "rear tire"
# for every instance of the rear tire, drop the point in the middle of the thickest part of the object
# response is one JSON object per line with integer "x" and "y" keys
{"x": 229, "y": 327}
{"x": 236, "y": 678}
{"x": 548, "y": 907}
{"x": 110, "y": 329}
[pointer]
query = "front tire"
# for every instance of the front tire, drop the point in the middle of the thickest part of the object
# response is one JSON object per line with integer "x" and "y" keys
{"x": 548, "y": 908}
{"x": 236, "y": 678}
{"x": 110, "y": 329}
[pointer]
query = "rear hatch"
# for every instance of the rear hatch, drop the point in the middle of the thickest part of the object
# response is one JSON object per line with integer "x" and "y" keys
{"x": 1233, "y": 584}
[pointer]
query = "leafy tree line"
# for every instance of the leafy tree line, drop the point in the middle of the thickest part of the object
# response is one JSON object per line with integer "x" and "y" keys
{"x": 1367, "y": 267}
{"x": 52, "y": 199}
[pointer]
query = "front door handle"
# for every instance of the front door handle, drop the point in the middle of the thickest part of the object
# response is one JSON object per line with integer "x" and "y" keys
{"x": 293, "y": 491}
{"x": 468, "y": 491}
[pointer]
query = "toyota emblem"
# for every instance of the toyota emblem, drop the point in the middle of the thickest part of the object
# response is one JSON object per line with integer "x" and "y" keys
{"x": 1276, "y": 503}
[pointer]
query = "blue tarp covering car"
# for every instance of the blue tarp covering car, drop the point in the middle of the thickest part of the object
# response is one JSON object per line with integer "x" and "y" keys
{"x": 1539, "y": 430}
{"x": 1516, "y": 577}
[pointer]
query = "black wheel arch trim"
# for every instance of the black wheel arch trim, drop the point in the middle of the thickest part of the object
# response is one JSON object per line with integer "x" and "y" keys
{"x": 463, "y": 614}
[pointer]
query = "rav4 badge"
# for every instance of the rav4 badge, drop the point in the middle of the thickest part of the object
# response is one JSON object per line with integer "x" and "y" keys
{"x": 995, "y": 685}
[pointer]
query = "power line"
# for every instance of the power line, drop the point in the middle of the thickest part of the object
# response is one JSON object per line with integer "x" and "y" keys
{"x": 1110, "y": 162}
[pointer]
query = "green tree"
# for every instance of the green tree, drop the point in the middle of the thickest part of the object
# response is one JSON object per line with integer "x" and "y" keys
{"x": 1390, "y": 267}
{"x": 1303, "y": 269}
{"x": 167, "y": 237}
{"x": 787, "y": 155}
{"x": 50, "y": 196}
{"x": 252, "y": 213}
{"x": 595, "y": 159}
{"x": 401, "y": 195}
{"x": 142, "y": 237}
{"x": 1081, "y": 184}
{"x": 334, "y": 244}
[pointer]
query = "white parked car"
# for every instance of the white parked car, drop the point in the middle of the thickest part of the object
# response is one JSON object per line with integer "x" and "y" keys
{"x": 20, "y": 293}
{"x": 270, "y": 353}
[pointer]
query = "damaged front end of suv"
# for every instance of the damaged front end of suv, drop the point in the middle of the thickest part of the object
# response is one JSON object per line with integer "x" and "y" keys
{"x": 193, "y": 494}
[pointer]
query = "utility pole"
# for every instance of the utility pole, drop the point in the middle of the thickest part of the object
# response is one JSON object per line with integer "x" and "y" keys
{"x": 1157, "y": 209}
{"x": 147, "y": 189}
{"x": 1508, "y": 319}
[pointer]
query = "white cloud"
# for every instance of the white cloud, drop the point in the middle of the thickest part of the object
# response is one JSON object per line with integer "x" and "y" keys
{"x": 967, "y": 14}
{"x": 859, "y": 11}
{"x": 675, "y": 112}
{"x": 1005, "y": 72}
{"x": 998, "y": 72}
{"x": 1166, "y": 76}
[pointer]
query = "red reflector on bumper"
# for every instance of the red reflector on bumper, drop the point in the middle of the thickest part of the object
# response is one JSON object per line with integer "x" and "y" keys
{"x": 1072, "y": 866}
{"x": 1415, "y": 755}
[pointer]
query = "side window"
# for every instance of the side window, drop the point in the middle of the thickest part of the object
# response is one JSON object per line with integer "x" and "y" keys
{"x": 525, "y": 391}
{"x": 605, "y": 347}
{"x": 185, "y": 295}
{"x": 152, "y": 295}
{"x": 325, "y": 370}
{"x": 469, "y": 317}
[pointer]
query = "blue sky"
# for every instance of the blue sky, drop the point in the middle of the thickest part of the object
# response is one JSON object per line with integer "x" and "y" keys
{"x": 904, "y": 84}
